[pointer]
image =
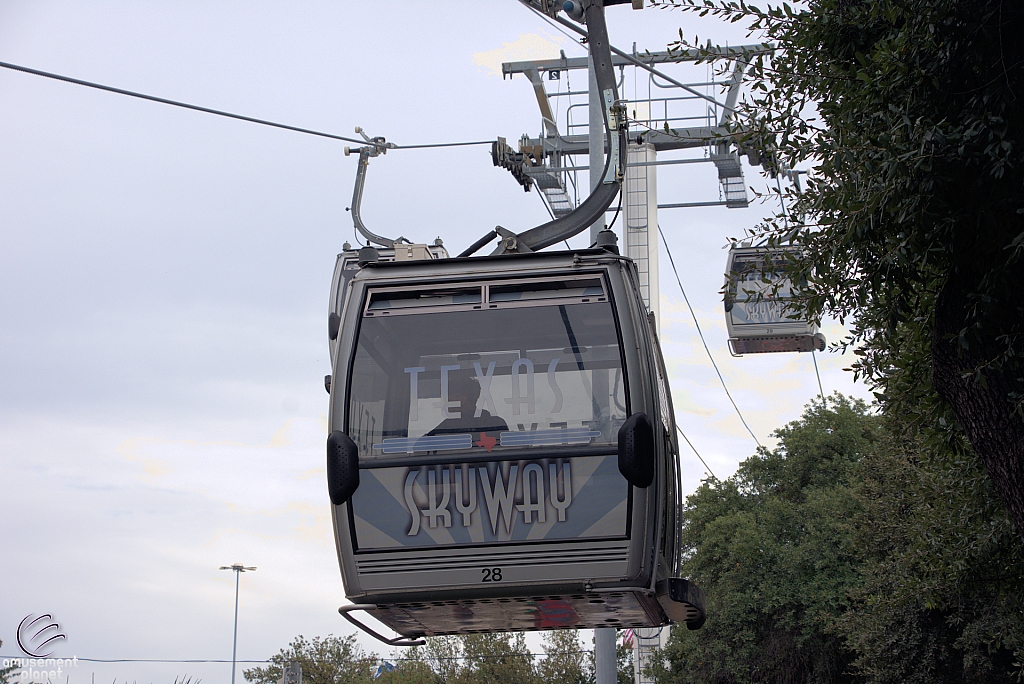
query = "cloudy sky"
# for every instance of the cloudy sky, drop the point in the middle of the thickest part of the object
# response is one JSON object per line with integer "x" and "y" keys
{"x": 164, "y": 282}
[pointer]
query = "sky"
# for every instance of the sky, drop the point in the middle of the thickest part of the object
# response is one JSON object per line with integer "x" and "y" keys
{"x": 164, "y": 280}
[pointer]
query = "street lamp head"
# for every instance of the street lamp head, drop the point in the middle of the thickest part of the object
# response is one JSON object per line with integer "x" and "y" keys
{"x": 237, "y": 567}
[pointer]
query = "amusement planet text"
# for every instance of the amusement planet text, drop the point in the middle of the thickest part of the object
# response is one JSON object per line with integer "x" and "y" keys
{"x": 48, "y": 668}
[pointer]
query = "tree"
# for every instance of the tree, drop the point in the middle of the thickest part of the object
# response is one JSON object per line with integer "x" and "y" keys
{"x": 327, "y": 660}
{"x": 412, "y": 667}
{"x": 624, "y": 664}
{"x": 461, "y": 659}
{"x": 495, "y": 657}
{"x": 942, "y": 592}
{"x": 6, "y": 672}
{"x": 912, "y": 112}
{"x": 444, "y": 654}
{"x": 565, "y": 662}
{"x": 858, "y": 550}
{"x": 773, "y": 549}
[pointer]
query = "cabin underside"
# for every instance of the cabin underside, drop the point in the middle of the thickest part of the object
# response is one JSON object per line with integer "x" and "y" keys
{"x": 579, "y": 611}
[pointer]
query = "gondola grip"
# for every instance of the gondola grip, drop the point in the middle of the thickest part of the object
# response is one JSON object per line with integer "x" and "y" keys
{"x": 342, "y": 467}
{"x": 636, "y": 450}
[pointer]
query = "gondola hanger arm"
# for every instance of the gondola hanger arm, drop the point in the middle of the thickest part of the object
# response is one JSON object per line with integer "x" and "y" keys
{"x": 593, "y": 208}
{"x": 376, "y": 146}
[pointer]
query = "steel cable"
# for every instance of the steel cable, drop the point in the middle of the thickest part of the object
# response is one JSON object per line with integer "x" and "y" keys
{"x": 217, "y": 112}
{"x": 703, "y": 341}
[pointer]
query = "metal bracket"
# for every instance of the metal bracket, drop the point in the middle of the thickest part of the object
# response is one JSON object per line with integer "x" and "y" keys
{"x": 510, "y": 242}
{"x": 397, "y": 641}
{"x": 611, "y": 109}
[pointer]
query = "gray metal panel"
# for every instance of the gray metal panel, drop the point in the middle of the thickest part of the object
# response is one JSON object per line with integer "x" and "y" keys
{"x": 335, "y": 304}
{"x": 519, "y": 566}
{"x": 647, "y": 363}
{"x": 626, "y": 289}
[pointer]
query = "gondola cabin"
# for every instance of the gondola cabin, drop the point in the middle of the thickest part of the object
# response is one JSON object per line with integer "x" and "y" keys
{"x": 502, "y": 451}
{"x": 757, "y": 314}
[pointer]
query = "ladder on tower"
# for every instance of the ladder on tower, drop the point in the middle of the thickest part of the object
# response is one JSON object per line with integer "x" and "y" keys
{"x": 640, "y": 213}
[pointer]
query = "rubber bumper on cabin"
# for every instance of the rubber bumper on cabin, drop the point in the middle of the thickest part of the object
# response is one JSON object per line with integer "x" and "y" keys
{"x": 682, "y": 601}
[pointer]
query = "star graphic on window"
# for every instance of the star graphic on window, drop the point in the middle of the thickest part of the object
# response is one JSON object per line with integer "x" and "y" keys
{"x": 486, "y": 442}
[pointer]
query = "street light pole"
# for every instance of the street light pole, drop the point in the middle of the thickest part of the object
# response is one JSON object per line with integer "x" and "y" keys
{"x": 237, "y": 568}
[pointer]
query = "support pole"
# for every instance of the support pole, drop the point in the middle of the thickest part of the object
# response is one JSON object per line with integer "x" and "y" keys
{"x": 604, "y": 637}
{"x": 596, "y": 140}
{"x": 238, "y": 569}
{"x": 604, "y": 655}
{"x": 234, "y": 641}
{"x": 600, "y": 379}
{"x": 640, "y": 222}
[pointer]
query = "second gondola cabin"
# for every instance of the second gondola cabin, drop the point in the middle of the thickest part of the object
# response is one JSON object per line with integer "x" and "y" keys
{"x": 758, "y": 315}
{"x": 502, "y": 451}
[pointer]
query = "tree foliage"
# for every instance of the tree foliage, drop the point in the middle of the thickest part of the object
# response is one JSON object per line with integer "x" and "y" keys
{"x": 324, "y": 660}
{"x": 496, "y": 658}
{"x": 6, "y": 672}
{"x": 853, "y": 552}
{"x": 466, "y": 659}
{"x": 566, "y": 661}
{"x": 413, "y": 668}
{"x": 623, "y": 664}
{"x": 773, "y": 548}
{"x": 942, "y": 591}
{"x": 912, "y": 114}
{"x": 911, "y": 229}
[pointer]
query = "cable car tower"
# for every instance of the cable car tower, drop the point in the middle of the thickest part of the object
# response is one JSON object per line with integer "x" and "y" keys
{"x": 502, "y": 451}
{"x": 671, "y": 117}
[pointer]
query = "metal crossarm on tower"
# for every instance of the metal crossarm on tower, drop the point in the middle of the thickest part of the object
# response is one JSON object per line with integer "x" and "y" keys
{"x": 666, "y": 122}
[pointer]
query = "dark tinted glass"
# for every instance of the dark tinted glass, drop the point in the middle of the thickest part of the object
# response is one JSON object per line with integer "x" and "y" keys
{"x": 521, "y": 377}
